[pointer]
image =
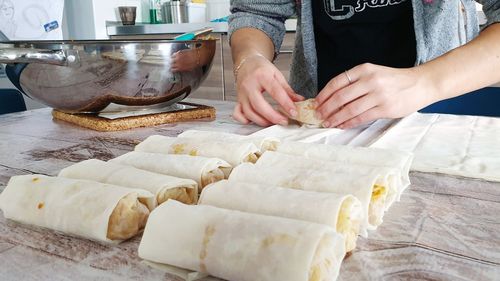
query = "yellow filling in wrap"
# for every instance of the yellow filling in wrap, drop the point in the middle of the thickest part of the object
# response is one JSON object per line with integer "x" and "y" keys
{"x": 270, "y": 145}
{"x": 252, "y": 158}
{"x": 377, "y": 204}
{"x": 349, "y": 222}
{"x": 182, "y": 194}
{"x": 307, "y": 113}
{"x": 211, "y": 177}
{"x": 127, "y": 219}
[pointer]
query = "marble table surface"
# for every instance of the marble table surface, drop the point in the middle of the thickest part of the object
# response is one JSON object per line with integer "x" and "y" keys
{"x": 444, "y": 228}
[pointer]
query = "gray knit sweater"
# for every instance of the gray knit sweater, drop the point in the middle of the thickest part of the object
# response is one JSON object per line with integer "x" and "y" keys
{"x": 440, "y": 26}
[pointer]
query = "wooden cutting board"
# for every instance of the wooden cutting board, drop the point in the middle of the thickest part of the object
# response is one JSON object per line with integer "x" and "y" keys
{"x": 103, "y": 124}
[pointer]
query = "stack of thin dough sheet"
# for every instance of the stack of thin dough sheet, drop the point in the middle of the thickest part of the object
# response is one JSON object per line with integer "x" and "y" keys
{"x": 203, "y": 170}
{"x": 162, "y": 186}
{"x": 457, "y": 145}
{"x": 233, "y": 152}
{"x": 100, "y": 212}
{"x": 242, "y": 246}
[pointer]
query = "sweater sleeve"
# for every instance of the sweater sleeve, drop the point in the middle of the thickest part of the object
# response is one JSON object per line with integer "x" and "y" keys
{"x": 266, "y": 15}
{"x": 491, "y": 9}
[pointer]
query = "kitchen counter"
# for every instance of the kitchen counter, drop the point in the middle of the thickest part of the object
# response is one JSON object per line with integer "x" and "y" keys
{"x": 117, "y": 29}
{"x": 444, "y": 228}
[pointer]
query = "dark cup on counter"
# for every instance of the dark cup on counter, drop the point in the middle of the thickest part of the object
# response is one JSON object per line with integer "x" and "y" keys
{"x": 128, "y": 14}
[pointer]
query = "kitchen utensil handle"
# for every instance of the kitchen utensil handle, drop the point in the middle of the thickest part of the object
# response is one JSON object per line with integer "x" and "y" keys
{"x": 27, "y": 55}
{"x": 193, "y": 35}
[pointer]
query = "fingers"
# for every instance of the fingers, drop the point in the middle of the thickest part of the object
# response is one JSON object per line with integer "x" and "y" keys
{"x": 266, "y": 110}
{"x": 340, "y": 98}
{"x": 183, "y": 60}
{"x": 338, "y": 82}
{"x": 254, "y": 106}
{"x": 365, "y": 117}
{"x": 342, "y": 80}
{"x": 297, "y": 98}
{"x": 252, "y": 115}
{"x": 239, "y": 116}
{"x": 173, "y": 62}
{"x": 350, "y": 111}
{"x": 245, "y": 113}
{"x": 291, "y": 93}
{"x": 278, "y": 93}
{"x": 176, "y": 56}
{"x": 251, "y": 86}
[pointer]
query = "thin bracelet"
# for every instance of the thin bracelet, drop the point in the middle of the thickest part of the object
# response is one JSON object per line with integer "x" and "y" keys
{"x": 242, "y": 62}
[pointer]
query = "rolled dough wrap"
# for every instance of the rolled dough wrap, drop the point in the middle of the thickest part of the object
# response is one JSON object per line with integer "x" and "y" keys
{"x": 164, "y": 187}
{"x": 363, "y": 187}
{"x": 127, "y": 219}
{"x": 203, "y": 170}
{"x": 342, "y": 212}
{"x": 395, "y": 159}
{"x": 241, "y": 246}
{"x": 234, "y": 153}
{"x": 306, "y": 113}
{"x": 263, "y": 143}
{"x": 81, "y": 208}
{"x": 385, "y": 176}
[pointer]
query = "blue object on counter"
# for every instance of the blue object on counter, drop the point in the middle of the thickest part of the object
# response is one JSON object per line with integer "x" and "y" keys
{"x": 11, "y": 100}
{"x": 194, "y": 34}
{"x": 224, "y": 19}
{"x": 185, "y": 37}
{"x": 483, "y": 102}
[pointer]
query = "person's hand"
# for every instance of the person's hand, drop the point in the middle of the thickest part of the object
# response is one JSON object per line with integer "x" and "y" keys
{"x": 258, "y": 76}
{"x": 374, "y": 92}
{"x": 185, "y": 60}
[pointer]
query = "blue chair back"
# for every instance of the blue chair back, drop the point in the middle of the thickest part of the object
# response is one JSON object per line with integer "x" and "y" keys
{"x": 484, "y": 102}
{"x": 11, "y": 100}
